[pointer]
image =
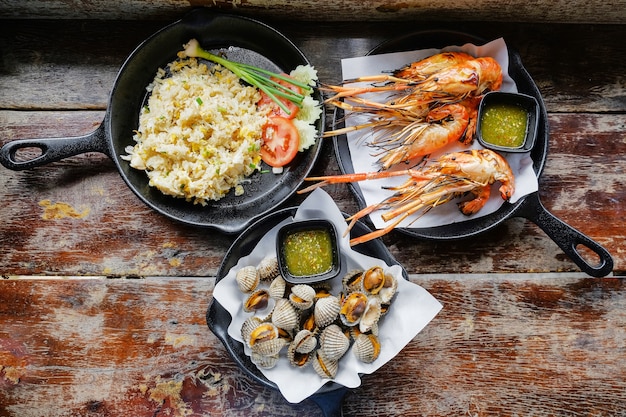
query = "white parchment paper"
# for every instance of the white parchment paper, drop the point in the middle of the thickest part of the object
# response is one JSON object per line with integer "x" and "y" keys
{"x": 411, "y": 310}
{"x": 363, "y": 159}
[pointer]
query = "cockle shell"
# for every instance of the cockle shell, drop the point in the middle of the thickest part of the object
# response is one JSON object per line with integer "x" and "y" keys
{"x": 297, "y": 359}
{"x": 285, "y": 315}
{"x": 371, "y": 315}
{"x": 247, "y": 278}
{"x": 373, "y": 280}
{"x": 302, "y": 296}
{"x": 269, "y": 347}
{"x": 389, "y": 289}
{"x": 322, "y": 290}
{"x": 333, "y": 342}
{"x": 277, "y": 287}
{"x": 323, "y": 366}
{"x": 268, "y": 268}
{"x": 308, "y": 321}
{"x": 326, "y": 310}
{"x": 287, "y": 335}
{"x": 264, "y": 362}
{"x": 264, "y": 331}
{"x": 352, "y": 308}
{"x": 248, "y": 326}
{"x": 352, "y": 280}
{"x": 366, "y": 348}
{"x": 304, "y": 341}
{"x": 258, "y": 300}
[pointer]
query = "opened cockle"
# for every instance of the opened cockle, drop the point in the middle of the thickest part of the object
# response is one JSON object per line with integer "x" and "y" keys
{"x": 310, "y": 323}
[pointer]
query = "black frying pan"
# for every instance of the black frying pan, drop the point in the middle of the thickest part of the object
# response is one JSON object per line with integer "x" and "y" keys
{"x": 329, "y": 398}
{"x": 255, "y": 43}
{"x": 530, "y": 206}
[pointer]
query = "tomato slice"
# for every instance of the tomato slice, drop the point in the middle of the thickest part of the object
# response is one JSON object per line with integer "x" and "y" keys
{"x": 280, "y": 142}
{"x": 275, "y": 109}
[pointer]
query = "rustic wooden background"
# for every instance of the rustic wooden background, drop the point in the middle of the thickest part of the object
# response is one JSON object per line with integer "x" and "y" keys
{"x": 102, "y": 301}
{"x": 556, "y": 11}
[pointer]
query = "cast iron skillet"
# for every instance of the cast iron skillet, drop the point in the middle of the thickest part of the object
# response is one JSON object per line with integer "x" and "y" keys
{"x": 530, "y": 206}
{"x": 330, "y": 396}
{"x": 255, "y": 43}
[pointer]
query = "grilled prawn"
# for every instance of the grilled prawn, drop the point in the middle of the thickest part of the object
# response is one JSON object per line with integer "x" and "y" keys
{"x": 411, "y": 99}
{"x": 452, "y": 175}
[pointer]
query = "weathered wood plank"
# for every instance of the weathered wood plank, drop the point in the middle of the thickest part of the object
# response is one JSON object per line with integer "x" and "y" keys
{"x": 577, "y": 68}
{"x": 502, "y": 345}
{"x": 422, "y": 10}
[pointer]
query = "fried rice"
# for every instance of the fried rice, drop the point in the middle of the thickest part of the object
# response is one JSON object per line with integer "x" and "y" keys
{"x": 199, "y": 134}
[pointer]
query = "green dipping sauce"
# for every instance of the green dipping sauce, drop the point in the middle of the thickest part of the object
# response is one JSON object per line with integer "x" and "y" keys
{"x": 308, "y": 252}
{"x": 504, "y": 125}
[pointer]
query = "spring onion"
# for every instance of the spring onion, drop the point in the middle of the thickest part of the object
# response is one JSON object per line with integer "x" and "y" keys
{"x": 254, "y": 76}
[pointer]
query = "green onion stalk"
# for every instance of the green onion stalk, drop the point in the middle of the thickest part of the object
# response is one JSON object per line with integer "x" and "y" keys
{"x": 255, "y": 76}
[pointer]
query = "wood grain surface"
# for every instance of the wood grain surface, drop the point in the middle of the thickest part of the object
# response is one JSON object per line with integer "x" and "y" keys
{"x": 578, "y": 11}
{"x": 103, "y": 301}
{"x": 524, "y": 346}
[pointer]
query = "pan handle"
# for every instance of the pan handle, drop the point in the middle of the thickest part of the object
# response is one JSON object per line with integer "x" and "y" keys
{"x": 566, "y": 237}
{"x": 53, "y": 149}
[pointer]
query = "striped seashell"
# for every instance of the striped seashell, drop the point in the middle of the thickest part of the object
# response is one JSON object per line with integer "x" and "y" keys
{"x": 308, "y": 321}
{"x": 247, "y": 278}
{"x": 326, "y": 310}
{"x": 366, "y": 348}
{"x": 302, "y": 296}
{"x": 268, "y": 268}
{"x": 287, "y": 335}
{"x": 305, "y": 341}
{"x": 264, "y": 362}
{"x": 322, "y": 289}
{"x": 270, "y": 347}
{"x": 355, "y": 331}
{"x": 389, "y": 289}
{"x": 248, "y": 326}
{"x": 285, "y": 315}
{"x": 352, "y": 280}
{"x": 297, "y": 359}
{"x": 277, "y": 287}
{"x": 371, "y": 315}
{"x": 373, "y": 280}
{"x": 262, "y": 332}
{"x": 258, "y": 300}
{"x": 324, "y": 367}
{"x": 333, "y": 342}
{"x": 352, "y": 308}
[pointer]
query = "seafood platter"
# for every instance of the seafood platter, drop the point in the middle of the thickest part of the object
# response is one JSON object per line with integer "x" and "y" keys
{"x": 420, "y": 124}
{"x": 406, "y": 140}
{"x": 304, "y": 338}
{"x": 307, "y": 330}
{"x": 406, "y": 147}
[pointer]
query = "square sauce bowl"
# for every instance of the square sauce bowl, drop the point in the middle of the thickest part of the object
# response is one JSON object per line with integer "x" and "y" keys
{"x": 507, "y": 122}
{"x": 308, "y": 251}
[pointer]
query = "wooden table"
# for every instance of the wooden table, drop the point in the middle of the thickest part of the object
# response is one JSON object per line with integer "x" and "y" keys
{"x": 103, "y": 301}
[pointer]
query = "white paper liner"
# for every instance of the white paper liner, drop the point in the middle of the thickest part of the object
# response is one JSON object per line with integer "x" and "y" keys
{"x": 363, "y": 160}
{"x": 411, "y": 310}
